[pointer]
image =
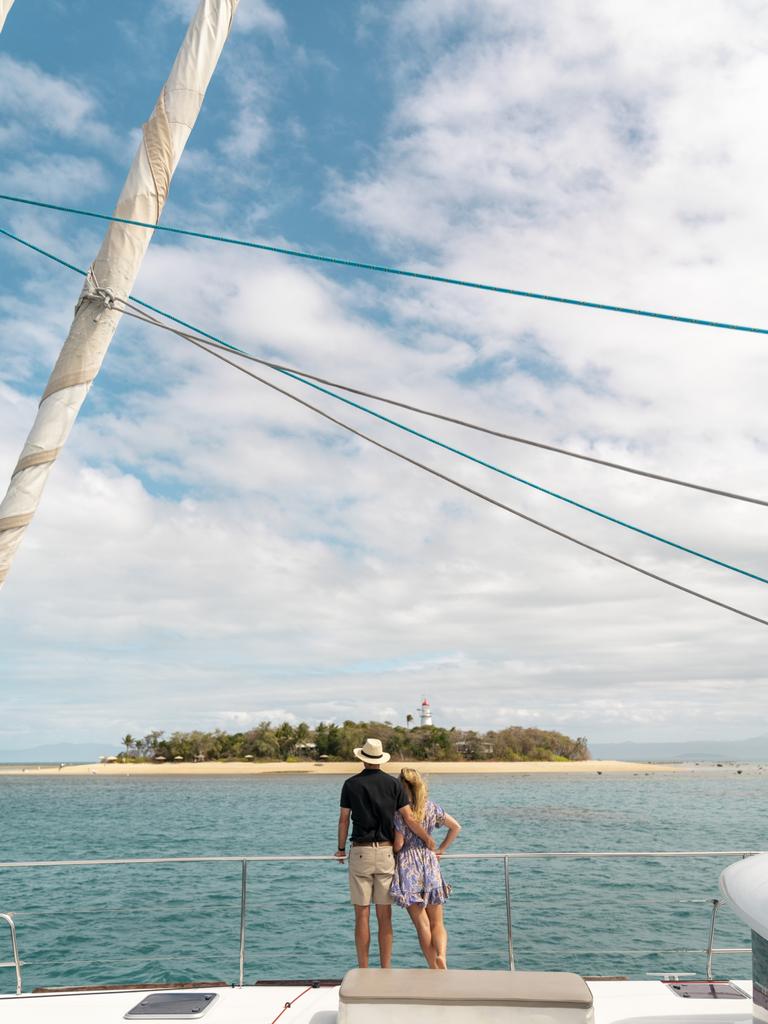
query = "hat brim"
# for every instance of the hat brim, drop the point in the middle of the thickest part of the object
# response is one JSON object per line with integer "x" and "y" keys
{"x": 361, "y": 756}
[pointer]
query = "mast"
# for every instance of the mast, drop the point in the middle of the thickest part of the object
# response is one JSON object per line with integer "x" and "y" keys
{"x": 116, "y": 266}
{"x": 5, "y": 6}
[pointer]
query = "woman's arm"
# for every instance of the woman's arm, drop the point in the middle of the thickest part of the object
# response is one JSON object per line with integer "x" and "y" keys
{"x": 397, "y": 845}
{"x": 453, "y": 830}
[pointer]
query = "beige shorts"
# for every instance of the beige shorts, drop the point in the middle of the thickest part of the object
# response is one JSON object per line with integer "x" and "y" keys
{"x": 371, "y": 869}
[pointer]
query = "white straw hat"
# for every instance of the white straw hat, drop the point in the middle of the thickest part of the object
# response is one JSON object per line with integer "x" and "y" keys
{"x": 371, "y": 752}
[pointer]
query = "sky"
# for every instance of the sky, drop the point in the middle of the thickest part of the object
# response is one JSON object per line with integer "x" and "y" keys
{"x": 209, "y": 554}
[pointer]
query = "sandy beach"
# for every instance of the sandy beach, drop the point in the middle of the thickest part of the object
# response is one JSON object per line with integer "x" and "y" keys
{"x": 207, "y": 768}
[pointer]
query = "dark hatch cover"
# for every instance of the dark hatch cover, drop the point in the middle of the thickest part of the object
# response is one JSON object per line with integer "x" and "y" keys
{"x": 706, "y": 990}
{"x": 172, "y": 1006}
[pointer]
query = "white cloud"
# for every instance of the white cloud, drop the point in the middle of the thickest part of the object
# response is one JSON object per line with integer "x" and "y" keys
{"x": 33, "y": 98}
{"x": 53, "y": 177}
{"x": 258, "y": 15}
{"x": 250, "y": 130}
{"x": 247, "y": 719}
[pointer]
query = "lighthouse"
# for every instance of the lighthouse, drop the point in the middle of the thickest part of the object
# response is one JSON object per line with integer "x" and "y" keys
{"x": 426, "y": 713}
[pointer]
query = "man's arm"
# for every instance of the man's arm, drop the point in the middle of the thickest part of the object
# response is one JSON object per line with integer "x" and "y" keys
{"x": 344, "y": 813}
{"x": 416, "y": 828}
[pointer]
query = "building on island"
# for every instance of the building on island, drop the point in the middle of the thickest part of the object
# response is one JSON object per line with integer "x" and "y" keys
{"x": 474, "y": 748}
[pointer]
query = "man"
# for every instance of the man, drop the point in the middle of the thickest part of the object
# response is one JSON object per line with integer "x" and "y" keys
{"x": 371, "y": 799}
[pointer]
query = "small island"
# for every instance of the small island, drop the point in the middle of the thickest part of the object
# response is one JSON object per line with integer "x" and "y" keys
{"x": 331, "y": 742}
{"x": 328, "y": 749}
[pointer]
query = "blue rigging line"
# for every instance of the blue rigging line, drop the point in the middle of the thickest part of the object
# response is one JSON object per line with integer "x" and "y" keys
{"x": 414, "y": 432}
{"x": 378, "y": 268}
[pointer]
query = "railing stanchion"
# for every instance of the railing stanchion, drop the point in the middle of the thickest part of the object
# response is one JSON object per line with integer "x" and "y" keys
{"x": 243, "y": 895}
{"x": 711, "y": 943}
{"x": 508, "y": 898}
{"x": 16, "y": 963}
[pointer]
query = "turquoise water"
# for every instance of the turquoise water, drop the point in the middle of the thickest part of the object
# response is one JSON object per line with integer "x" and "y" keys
{"x": 181, "y": 922}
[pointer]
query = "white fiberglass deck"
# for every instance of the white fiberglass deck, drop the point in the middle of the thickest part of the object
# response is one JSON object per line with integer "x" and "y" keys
{"x": 249, "y": 1005}
{"x": 615, "y": 1002}
{"x": 653, "y": 1002}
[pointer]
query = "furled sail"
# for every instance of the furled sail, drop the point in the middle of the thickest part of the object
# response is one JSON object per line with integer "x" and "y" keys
{"x": 116, "y": 266}
{"x": 5, "y": 6}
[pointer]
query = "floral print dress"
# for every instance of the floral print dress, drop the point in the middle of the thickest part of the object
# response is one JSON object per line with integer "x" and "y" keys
{"x": 418, "y": 880}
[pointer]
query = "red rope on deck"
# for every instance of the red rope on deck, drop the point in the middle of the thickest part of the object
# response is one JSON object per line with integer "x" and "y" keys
{"x": 290, "y": 1004}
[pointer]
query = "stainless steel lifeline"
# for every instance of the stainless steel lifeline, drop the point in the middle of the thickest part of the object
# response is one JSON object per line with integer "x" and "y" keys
{"x": 505, "y": 858}
{"x": 15, "y": 963}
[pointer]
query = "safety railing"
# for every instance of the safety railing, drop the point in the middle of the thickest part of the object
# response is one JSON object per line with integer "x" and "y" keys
{"x": 505, "y": 858}
{"x": 16, "y": 963}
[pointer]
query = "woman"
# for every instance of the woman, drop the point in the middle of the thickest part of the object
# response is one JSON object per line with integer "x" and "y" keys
{"x": 418, "y": 884}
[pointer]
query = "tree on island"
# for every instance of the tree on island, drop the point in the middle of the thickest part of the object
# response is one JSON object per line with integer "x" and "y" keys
{"x": 335, "y": 742}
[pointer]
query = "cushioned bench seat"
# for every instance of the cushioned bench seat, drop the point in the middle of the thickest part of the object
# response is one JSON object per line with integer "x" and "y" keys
{"x": 373, "y": 996}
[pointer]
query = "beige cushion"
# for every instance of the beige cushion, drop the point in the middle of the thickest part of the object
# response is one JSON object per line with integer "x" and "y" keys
{"x": 462, "y": 988}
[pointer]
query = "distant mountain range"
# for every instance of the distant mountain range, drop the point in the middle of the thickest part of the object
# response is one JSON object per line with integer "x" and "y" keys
{"x": 754, "y": 748}
{"x": 84, "y": 753}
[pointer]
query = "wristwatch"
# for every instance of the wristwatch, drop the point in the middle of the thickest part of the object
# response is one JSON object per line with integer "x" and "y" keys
{"x": 342, "y": 849}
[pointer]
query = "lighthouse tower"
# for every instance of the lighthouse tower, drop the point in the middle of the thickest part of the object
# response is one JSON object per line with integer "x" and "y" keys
{"x": 426, "y": 713}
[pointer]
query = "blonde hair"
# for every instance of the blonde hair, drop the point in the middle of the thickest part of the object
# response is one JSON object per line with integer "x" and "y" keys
{"x": 416, "y": 785}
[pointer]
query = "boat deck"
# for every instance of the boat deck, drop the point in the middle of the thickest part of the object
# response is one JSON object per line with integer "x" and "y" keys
{"x": 615, "y": 1002}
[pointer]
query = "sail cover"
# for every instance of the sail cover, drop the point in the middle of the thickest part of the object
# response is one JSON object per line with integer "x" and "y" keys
{"x": 5, "y": 6}
{"x": 114, "y": 270}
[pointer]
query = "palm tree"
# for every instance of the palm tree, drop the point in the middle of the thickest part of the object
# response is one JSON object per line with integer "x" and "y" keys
{"x": 285, "y": 735}
{"x": 128, "y": 742}
{"x": 408, "y": 720}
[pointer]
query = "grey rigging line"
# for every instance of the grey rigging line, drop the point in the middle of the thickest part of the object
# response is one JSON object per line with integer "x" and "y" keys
{"x": 206, "y": 346}
{"x": 467, "y": 455}
{"x": 622, "y": 467}
{"x": 142, "y": 316}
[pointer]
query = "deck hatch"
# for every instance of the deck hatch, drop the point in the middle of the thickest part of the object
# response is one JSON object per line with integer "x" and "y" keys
{"x": 706, "y": 990}
{"x": 172, "y": 1006}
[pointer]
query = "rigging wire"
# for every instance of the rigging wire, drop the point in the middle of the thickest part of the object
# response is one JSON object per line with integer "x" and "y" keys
{"x": 471, "y": 490}
{"x": 401, "y": 455}
{"x": 466, "y": 455}
{"x": 622, "y": 467}
{"x": 396, "y": 271}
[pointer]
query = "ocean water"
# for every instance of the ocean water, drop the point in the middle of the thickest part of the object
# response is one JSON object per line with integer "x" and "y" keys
{"x": 181, "y": 922}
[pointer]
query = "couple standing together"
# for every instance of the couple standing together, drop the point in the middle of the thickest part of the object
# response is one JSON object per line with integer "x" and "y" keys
{"x": 393, "y": 858}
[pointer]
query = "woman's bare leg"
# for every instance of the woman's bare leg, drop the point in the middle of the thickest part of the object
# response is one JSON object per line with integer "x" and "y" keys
{"x": 421, "y": 923}
{"x": 439, "y": 935}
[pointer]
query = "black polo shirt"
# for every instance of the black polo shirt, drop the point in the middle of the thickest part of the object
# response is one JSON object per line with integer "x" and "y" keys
{"x": 373, "y": 797}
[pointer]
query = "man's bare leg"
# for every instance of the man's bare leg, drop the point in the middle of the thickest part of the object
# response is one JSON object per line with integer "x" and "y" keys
{"x": 363, "y": 934}
{"x": 439, "y": 935}
{"x": 424, "y": 931}
{"x": 384, "y": 922}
